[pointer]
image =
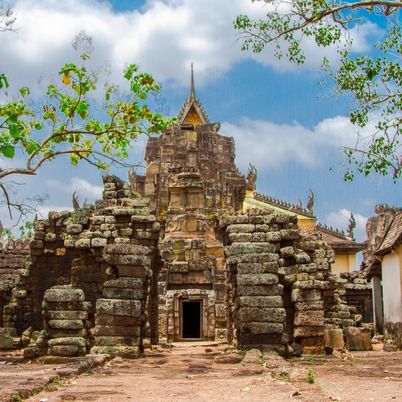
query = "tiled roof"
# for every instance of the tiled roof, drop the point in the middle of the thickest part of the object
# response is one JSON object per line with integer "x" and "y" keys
{"x": 393, "y": 236}
{"x": 338, "y": 240}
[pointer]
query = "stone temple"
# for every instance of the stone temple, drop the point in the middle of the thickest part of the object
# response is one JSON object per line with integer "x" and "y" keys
{"x": 188, "y": 251}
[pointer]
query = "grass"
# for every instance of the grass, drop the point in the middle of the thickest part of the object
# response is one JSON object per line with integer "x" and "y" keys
{"x": 282, "y": 376}
{"x": 55, "y": 382}
{"x": 310, "y": 376}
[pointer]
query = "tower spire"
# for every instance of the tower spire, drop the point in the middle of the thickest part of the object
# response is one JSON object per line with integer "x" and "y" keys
{"x": 192, "y": 94}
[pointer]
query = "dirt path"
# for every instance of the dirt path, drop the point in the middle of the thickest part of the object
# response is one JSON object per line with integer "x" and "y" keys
{"x": 188, "y": 372}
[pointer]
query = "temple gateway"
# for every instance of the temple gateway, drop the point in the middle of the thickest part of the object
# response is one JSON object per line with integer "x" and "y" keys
{"x": 188, "y": 251}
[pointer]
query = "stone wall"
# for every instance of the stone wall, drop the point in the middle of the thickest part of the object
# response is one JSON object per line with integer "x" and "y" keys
{"x": 275, "y": 281}
{"x": 13, "y": 254}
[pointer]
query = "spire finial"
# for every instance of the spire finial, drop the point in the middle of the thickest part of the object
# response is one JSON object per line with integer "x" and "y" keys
{"x": 192, "y": 95}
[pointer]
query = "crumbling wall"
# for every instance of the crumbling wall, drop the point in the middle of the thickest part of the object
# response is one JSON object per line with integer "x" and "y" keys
{"x": 276, "y": 278}
{"x": 13, "y": 254}
{"x": 69, "y": 249}
{"x": 49, "y": 265}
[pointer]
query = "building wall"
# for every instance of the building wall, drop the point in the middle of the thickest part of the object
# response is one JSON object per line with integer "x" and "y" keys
{"x": 392, "y": 285}
{"x": 343, "y": 263}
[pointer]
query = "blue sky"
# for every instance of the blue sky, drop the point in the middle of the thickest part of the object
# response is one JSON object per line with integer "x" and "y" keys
{"x": 290, "y": 127}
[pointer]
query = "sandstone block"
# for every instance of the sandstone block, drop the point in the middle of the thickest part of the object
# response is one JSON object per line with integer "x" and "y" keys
{"x": 122, "y": 293}
{"x": 358, "y": 338}
{"x": 287, "y": 252}
{"x": 260, "y": 301}
{"x": 306, "y": 295}
{"x": 66, "y": 315}
{"x": 249, "y": 314}
{"x": 131, "y": 271}
{"x": 126, "y": 259}
{"x": 306, "y": 332}
{"x": 66, "y": 324}
{"x": 114, "y": 341}
{"x": 77, "y": 341}
{"x": 333, "y": 339}
{"x": 116, "y": 320}
{"x": 127, "y": 249}
{"x": 130, "y": 308}
{"x": 123, "y": 351}
{"x": 98, "y": 242}
{"x": 112, "y": 330}
{"x": 258, "y": 328}
{"x": 83, "y": 243}
{"x": 74, "y": 228}
{"x": 257, "y": 279}
{"x": 258, "y": 268}
{"x": 260, "y": 290}
{"x": 64, "y": 294}
{"x": 66, "y": 350}
{"x": 314, "y": 318}
{"x": 125, "y": 283}
{"x": 241, "y": 228}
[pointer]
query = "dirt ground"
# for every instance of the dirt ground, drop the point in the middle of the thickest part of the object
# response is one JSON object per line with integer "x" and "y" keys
{"x": 204, "y": 372}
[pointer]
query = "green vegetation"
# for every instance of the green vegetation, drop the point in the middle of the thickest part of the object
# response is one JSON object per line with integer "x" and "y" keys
{"x": 310, "y": 376}
{"x": 373, "y": 81}
{"x": 68, "y": 123}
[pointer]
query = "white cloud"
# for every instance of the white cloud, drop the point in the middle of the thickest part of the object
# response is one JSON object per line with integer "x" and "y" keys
{"x": 163, "y": 37}
{"x": 340, "y": 219}
{"x": 271, "y": 145}
{"x": 83, "y": 188}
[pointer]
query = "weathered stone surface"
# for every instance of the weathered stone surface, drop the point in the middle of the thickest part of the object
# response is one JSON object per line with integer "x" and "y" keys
{"x": 77, "y": 341}
{"x": 62, "y": 294}
{"x": 307, "y": 332}
{"x": 125, "y": 283}
{"x": 261, "y": 327}
{"x": 123, "y": 351}
{"x": 257, "y": 279}
{"x": 122, "y": 293}
{"x": 309, "y": 318}
{"x": 260, "y": 290}
{"x": 260, "y": 301}
{"x": 249, "y": 314}
{"x": 66, "y": 350}
{"x": 126, "y": 249}
{"x": 333, "y": 339}
{"x": 358, "y": 338}
{"x": 130, "y": 308}
{"x": 66, "y": 324}
{"x": 258, "y": 268}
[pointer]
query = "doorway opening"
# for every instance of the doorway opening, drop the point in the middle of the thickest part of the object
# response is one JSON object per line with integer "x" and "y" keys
{"x": 191, "y": 319}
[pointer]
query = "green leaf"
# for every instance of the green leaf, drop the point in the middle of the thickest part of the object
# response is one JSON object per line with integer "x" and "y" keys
{"x": 24, "y": 91}
{"x": 3, "y": 81}
{"x": 8, "y": 151}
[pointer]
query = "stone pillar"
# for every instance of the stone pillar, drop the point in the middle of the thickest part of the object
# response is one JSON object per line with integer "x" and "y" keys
{"x": 65, "y": 313}
{"x": 377, "y": 304}
{"x": 257, "y": 313}
{"x": 120, "y": 320}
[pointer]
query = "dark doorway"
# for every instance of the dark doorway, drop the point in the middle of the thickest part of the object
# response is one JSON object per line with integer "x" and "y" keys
{"x": 191, "y": 319}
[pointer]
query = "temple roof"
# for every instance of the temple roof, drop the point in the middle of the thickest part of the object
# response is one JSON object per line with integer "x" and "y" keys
{"x": 338, "y": 240}
{"x": 393, "y": 236}
{"x": 192, "y": 111}
{"x": 297, "y": 209}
